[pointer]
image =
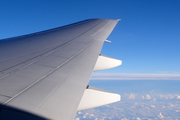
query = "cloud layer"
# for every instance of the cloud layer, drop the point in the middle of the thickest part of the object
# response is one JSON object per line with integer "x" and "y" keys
{"x": 122, "y": 76}
{"x": 154, "y": 97}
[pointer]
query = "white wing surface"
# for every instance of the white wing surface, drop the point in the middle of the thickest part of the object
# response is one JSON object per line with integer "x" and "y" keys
{"x": 44, "y": 75}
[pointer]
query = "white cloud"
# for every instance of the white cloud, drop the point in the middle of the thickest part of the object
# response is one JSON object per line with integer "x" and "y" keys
{"x": 86, "y": 113}
{"x": 177, "y": 96}
{"x": 171, "y": 105}
{"x": 168, "y": 96}
{"x": 132, "y": 96}
{"x": 148, "y": 97}
{"x": 153, "y": 106}
{"x": 160, "y": 115}
{"x": 124, "y": 119}
{"x": 138, "y": 118}
{"x": 79, "y": 112}
{"x": 123, "y": 76}
{"x": 143, "y": 97}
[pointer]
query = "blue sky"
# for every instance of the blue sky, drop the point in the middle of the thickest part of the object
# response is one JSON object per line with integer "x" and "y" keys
{"x": 147, "y": 39}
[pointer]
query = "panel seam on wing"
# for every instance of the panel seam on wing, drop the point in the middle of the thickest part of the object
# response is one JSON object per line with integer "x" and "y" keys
{"x": 100, "y": 28}
{"x": 51, "y": 52}
{"x": 47, "y": 74}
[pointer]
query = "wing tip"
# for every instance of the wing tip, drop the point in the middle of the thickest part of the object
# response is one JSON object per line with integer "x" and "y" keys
{"x": 103, "y": 18}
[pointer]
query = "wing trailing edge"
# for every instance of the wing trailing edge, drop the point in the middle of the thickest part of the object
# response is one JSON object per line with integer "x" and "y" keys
{"x": 95, "y": 97}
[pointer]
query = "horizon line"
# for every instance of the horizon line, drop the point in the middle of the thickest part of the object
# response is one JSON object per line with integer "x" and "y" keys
{"x": 134, "y": 76}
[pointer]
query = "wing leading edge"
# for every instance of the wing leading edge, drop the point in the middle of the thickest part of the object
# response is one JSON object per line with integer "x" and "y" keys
{"x": 44, "y": 75}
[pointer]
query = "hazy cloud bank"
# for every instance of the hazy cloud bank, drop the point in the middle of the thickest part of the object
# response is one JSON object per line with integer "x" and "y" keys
{"x": 122, "y": 76}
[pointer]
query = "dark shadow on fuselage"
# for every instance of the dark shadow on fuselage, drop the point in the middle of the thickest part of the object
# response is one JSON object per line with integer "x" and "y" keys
{"x": 10, "y": 113}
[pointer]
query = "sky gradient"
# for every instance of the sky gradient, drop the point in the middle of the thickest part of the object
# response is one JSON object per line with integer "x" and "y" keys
{"x": 147, "y": 39}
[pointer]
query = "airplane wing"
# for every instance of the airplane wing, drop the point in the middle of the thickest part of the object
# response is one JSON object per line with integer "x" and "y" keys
{"x": 45, "y": 75}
